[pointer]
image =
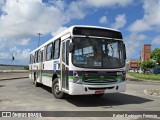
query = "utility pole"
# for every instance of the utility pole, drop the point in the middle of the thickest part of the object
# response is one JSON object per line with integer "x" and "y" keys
{"x": 12, "y": 59}
{"x": 39, "y": 34}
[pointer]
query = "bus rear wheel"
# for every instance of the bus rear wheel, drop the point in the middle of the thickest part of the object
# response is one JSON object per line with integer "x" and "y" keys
{"x": 35, "y": 81}
{"x": 55, "y": 89}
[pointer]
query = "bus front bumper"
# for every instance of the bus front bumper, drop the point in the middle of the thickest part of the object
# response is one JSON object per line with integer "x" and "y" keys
{"x": 82, "y": 89}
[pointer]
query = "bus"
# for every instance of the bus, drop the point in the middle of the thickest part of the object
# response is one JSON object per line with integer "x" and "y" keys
{"x": 81, "y": 60}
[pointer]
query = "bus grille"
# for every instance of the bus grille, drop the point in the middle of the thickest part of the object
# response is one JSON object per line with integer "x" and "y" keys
{"x": 95, "y": 77}
{"x": 99, "y": 80}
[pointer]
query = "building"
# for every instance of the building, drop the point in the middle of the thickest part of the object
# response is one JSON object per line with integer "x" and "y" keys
{"x": 133, "y": 65}
{"x": 146, "y": 52}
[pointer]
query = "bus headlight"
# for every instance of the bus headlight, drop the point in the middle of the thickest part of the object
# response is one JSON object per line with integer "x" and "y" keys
{"x": 123, "y": 78}
{"x": 76, "y": 80}
{"x": 119, "y": 73}
{"x": 76, "y": 77}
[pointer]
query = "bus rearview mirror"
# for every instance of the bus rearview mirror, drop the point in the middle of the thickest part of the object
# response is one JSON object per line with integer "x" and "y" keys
{"x": 124, "y": 47}
{"x": 71, "y": 47}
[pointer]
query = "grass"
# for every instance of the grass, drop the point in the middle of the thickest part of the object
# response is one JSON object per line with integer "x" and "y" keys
{"x": 145, "y": 76}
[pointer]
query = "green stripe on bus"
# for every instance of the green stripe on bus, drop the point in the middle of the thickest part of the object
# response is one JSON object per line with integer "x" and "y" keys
{"x": 47, "y": 74}
{"x": 111, "y": 77}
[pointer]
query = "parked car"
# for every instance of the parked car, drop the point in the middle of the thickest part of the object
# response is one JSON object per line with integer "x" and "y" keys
{"x": 155, "y": 70}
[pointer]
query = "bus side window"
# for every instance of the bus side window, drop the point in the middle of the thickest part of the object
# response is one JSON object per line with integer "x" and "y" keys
{"x": 56, "y": 49}
{"x": 38, "y": 56}
{"x": 35, "y": 57}
{"x": 30, "y": 59}
{"x": 67, "y": 52}
{"x": 49, "y": 54}
{"x": 42, "y": 54}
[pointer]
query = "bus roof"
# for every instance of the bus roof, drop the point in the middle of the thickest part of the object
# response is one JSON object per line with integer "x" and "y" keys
{"x": 69, "y": 30}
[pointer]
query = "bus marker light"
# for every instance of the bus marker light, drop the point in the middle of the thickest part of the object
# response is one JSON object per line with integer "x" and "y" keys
{"x": 75, "y": 74}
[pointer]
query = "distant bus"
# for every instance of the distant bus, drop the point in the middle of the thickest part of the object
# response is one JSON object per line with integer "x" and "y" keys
{"x": 81, "y": 60}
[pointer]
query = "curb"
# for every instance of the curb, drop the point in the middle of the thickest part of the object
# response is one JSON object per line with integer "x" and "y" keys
{"x": 12, "y": 78}
{"x": 142, "y": 80}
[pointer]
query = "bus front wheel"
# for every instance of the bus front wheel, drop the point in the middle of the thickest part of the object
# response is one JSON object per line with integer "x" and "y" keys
{"x": 55, "y": 89}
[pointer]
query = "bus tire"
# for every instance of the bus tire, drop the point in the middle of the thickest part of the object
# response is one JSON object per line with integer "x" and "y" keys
{"x": 55, "y": 89}
{"x": 35, "y": 81}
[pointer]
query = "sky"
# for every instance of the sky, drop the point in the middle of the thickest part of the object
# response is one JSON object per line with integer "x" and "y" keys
{"x": 21, "y": 20}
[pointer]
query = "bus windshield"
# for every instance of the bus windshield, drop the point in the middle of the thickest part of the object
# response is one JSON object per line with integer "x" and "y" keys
{"x": 98, "y": 53}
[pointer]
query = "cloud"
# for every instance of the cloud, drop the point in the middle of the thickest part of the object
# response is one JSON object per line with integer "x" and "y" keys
{"x": 7, "y": 47}
{"x": 103, "y": 20}
{"x": 151, "y": 17}
{"x": 156, "y": 40}
{"x": 76, "y": 10}
{"x": 108, "y": 3}
{"x": 20, "y": 20}
{"x": 21, "y": 56}
{"x": 133, "y": 42}
{"x": 25, "y": 19}
{"x": 149, "y": 22}
{"x": 120, "y": 21}
{"x": 139, "y": 26}
{"x": 58, "y": 4}
{"x": 141, "y": 37}
{"x": 2, "y": 2}
{"x": 58, "y": 31}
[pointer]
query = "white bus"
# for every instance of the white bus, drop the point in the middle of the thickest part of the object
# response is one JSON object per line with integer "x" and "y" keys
{"x": 81, "y": 60}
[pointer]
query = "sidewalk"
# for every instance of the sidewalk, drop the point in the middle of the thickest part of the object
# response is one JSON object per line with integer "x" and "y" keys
{"x": 131, "y": 78}
{"x": 13, "y": 75}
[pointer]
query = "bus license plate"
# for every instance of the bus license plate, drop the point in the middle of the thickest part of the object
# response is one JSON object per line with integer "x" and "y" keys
{"x": 99, "y": 92}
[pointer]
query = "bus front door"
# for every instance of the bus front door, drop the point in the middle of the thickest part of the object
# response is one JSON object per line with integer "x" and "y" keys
{"x": 64, "y": 65}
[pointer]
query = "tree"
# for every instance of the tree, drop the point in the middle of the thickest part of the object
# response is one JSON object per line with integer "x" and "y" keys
{"x": 156, "y": 55}
{"x": 26, "y": 67}
{"x": 147, "y": 64}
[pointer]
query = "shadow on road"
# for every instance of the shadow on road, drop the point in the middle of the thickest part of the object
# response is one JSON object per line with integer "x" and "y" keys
{"x": 48, "y": 89}
{"x": 107, "y": 100}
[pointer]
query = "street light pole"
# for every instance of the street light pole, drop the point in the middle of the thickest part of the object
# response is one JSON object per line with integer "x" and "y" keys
{"x": 39, "y": 34}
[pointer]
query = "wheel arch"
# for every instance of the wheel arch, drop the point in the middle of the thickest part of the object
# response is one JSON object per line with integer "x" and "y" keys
{"x": 54, "y": 76}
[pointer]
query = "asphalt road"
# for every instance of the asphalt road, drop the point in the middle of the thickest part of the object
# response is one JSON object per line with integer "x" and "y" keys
{"x": 13, "y": 75}
{"x": 22, "y": 95}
